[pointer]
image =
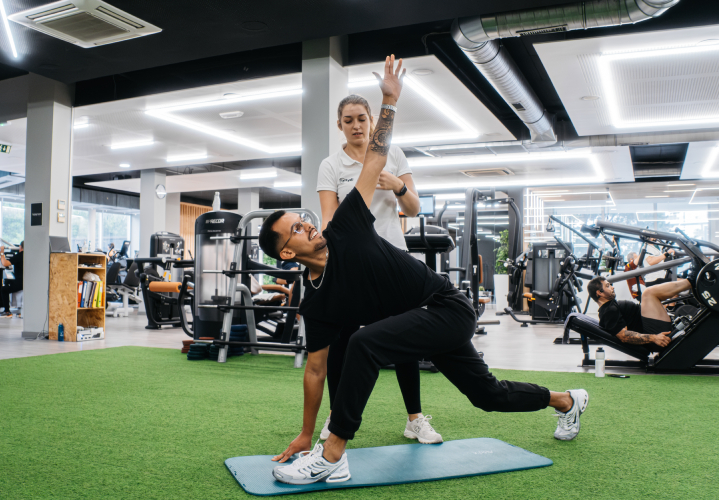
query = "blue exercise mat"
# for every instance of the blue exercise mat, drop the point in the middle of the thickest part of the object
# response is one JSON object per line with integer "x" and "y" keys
{"x": 406, "y": 463}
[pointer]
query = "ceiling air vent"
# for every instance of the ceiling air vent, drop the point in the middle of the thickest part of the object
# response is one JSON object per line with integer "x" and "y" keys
{"x": 518, "y": 106}
{"x": 487, "y": 172}
{"x": 87, "y": 23}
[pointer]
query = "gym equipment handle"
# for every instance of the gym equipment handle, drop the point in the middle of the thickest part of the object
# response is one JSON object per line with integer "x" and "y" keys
{"x": 646, "y": 270}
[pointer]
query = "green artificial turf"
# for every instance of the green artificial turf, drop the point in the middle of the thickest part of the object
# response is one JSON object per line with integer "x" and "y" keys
{"x": 136, "y": 422}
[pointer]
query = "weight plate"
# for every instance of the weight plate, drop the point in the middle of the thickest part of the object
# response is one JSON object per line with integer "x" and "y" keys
{"x": 708, "y": 285}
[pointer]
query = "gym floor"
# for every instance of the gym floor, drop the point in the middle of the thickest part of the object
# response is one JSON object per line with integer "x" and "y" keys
{"x": 506, "y": 346}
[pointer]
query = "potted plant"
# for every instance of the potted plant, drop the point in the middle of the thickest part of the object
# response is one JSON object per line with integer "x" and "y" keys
{"x": 501, "y": 278}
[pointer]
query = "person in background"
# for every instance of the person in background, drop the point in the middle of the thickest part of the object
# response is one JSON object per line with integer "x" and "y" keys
{"x": 337, "y": 176}
{"x": 16, "y": 262}
{"x": 654, "y": 255}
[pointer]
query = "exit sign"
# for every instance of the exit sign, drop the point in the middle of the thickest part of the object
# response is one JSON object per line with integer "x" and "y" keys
{"x": 4, "y": 148}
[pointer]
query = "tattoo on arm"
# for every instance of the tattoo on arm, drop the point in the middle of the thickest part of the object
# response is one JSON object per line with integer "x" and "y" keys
{"x": 382, "y": 137}
{"x": 630, "y": 337}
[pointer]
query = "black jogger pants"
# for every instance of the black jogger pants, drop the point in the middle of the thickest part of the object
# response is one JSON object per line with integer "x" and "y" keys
{"x": 442, "y": 332}
{"x": 407, "y": 373}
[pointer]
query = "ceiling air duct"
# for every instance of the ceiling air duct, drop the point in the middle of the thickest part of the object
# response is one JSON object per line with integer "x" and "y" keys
{"x": 477, "y": 36}
{"x": 86, "y": 23}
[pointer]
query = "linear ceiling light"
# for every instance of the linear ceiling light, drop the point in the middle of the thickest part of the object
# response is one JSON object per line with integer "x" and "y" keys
{"x": 260, "y": 175}
{"x": 7, "y": 29}
{"x": 503, "y": 158}
{"x": 132, "y": 144}
{"x": 167, "y": 115}
{"x": 711, "y": 160}
{"x": 288, "y": 184}
{"x": 451, "y": 196}
{"x": 467, "y": 132}
{"x": 691, "y": 200}
{"x": 680, "y": 185}
{"x": 678, "y": 190}
{"x": 193, "y": 156}
{"x": 659, "y": 196}
{"x": 608, "y": 84}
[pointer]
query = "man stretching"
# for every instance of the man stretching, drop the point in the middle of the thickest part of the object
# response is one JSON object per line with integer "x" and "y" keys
{"x": 648, "y": 325}
{"x": 410, "y": 313}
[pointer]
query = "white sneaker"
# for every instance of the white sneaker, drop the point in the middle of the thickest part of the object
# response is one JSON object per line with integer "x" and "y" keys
{"x": 312, "y": 467}
{"x": 325, "y": 434}
{"x": 568, "y": 425}
{"x": 420, "y": 429}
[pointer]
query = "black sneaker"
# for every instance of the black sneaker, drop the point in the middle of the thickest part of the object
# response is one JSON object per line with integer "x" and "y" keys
{"x": 5, "y": 315}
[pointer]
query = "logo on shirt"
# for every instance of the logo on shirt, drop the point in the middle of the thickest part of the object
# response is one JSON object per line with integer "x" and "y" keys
{"x": 346, "y": 180}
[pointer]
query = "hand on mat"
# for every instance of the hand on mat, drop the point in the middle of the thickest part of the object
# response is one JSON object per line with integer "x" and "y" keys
{"x": 389, "y": 182}
{"x": 391, "y": 85}
{"x": 300, "y": 443}
{"x": 662, "y": 340}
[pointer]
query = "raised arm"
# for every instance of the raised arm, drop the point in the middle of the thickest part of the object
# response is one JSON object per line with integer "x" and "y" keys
{"x": 378, "y": 148}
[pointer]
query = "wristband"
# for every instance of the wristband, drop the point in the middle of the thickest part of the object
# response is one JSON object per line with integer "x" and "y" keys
{"x": 390, "y": 107}
{"x": 402, "y": 191}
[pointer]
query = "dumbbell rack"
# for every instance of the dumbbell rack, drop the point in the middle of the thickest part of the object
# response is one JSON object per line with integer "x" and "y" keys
{"x": 242, "y": 265}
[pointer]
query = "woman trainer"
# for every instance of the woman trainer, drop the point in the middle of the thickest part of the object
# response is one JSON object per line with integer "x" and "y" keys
{"x": 336, "y": 178}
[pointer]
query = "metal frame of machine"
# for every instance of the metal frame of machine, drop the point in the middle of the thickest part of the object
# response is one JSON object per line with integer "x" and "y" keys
{"x": 699, "y": 336}
{"x": 240, "y": 239}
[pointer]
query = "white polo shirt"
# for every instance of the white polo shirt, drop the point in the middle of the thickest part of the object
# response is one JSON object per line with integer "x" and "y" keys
{"x": 339, "y": 172}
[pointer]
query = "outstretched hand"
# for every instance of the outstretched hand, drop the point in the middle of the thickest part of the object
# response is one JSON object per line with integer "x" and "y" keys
{"x": 391, "y": 84}
{"x": 298, "y": 444}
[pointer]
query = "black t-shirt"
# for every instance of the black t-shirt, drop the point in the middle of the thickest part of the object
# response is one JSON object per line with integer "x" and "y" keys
{"x": 616, "y": 315}
{"x": 16, "y": 261}
{"x": 366, "y": 279}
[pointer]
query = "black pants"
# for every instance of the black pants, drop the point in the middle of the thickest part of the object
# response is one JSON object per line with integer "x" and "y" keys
{"x": 441, "y": 332}
{"x": 5, "y": 292}
{"x": 407, "y": 373}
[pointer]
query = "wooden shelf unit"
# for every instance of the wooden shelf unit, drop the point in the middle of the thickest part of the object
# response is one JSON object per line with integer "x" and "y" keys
{"x": 66, "y": 269}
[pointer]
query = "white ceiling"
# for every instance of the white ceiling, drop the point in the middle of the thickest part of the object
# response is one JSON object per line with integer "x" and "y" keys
{"x": 701, "y": 161}
{"x": 229, "y": 179}
{"x": 642, "y": 85}
{"x": 596, "y": 165}
{"x": 270, "y": 126}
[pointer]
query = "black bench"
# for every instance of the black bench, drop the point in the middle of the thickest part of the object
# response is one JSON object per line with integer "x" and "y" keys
{"x": 588, "y": 327}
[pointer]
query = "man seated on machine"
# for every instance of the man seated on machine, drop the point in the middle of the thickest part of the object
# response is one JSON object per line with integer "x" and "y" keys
{"x": 647, "y": 324}
{"x": 410, "y": 313}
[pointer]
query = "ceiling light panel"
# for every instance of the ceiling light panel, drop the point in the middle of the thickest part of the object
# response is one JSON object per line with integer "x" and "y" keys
{"x": 435, "y": 108}
{"x": 660, "y": 80}
{"x": 131, "y": 144}
{"x": 6, "y": 29}
{"x": 663, "y": 87}
{"x": 171, "y": 115}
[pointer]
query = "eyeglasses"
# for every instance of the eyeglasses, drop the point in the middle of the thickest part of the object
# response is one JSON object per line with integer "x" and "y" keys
{"x": 298, "y": 227}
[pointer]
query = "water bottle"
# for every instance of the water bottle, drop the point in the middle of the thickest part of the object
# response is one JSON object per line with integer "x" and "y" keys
{"x": 216, "y": 202}
{"x": 61, "y": 333}
{"x": 599, "y": 363}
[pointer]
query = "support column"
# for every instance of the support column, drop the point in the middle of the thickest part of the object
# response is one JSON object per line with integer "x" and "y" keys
{"x": 48, "y": 180}
{"x": 152, "y": 208}
{"x": 172, "y": 213}
{"x": 324, "y": 84}
{"x": 91, "y": 233}
{"x": 248, "y": 199}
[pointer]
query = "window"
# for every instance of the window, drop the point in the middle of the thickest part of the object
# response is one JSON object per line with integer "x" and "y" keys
{"x": 112, "y": 228}
{"x": 80, "y": 228}
{"x": 13, "y": 221}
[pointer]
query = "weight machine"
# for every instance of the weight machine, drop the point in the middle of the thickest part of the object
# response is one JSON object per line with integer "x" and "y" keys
{"x": 693, "y": 337}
